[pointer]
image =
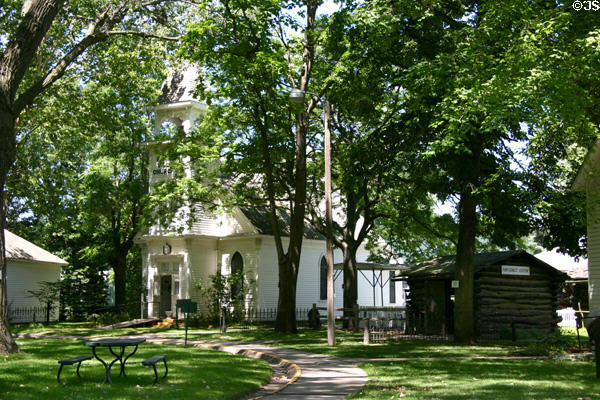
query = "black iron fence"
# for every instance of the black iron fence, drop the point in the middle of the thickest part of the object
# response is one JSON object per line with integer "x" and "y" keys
{"x": 403, "y": 325}
{"x": 26, "y": 314}
{"x": 381, "y": 323}
{"x": 387, "y": 323}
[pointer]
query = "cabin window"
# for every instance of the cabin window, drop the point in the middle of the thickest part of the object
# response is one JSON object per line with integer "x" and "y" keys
{"x": 392, "y": 289}
{"x": 323, "y": 278}
{"x": 237, "y": 268}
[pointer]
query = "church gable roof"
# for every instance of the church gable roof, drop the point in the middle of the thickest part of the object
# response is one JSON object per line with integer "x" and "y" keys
{"x": 261, "y": 219}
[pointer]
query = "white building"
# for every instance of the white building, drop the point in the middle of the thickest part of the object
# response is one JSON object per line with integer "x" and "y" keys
{"x": 27, "y": 266}
{"x": 175, "y": 260}
{"x": 588, "y": 181}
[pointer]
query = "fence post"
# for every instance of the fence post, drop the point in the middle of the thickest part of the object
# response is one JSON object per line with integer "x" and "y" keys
{"x": 48, "y": 308}
{"x": 366, "y": 335}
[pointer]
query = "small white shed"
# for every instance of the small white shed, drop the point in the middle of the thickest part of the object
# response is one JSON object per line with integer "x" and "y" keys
{"x": 27, "y": 266}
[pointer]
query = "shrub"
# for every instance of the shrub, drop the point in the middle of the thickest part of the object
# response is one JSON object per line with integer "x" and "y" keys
{"x": 110, "y": 318}
{"x": 224, "y": 291}
{"x": 202, "y": 320}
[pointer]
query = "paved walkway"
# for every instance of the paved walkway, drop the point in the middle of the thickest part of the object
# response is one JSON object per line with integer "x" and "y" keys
{"x": 297, "y": 374}
{"x": 321, "y": 377}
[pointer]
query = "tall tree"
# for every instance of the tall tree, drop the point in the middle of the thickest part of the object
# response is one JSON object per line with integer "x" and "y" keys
{"x": 374, "y": 148}
{"x": 474, "y": 120}
{"x": 464, "y": 103}
{"x": 41, "y": 42}
{"x": 251, "y": 62}
{"x": 114, "y": 186}
{"x": 560, "y": 53}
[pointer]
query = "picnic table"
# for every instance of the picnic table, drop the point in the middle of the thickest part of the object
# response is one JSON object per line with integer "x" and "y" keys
{"x": 121, "y": 345}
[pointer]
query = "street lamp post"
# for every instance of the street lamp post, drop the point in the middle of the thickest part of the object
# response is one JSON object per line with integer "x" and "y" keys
{"x": 297, "y": 97}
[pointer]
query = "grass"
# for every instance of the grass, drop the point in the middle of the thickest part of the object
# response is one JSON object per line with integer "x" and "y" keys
{"x": 81, "y": 329}
{"x": 268, "y": 334}
{"x": 403, "y": 348}
{"x": 349, "y": 344}
{"x": 436, "y": 378}
{"x": 193, "y": 373}
{"x": 480, "y": 379}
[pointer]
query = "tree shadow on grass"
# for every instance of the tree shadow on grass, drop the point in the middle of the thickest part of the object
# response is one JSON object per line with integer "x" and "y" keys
{"x": 193, "y": 373}
{"x": 481, "y": 379}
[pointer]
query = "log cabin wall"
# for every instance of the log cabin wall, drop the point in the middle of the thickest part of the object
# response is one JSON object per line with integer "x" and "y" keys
{"x": 524, "y": 297}
{"x": 415, "y": 305}
{"x": 530, "y": 302}
{"x": 429, "y": 308}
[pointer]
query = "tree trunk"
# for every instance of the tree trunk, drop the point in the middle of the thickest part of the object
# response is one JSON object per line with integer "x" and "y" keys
{"x": 464, "y": 327}
{"x": 7, "y": 158}
{"x": 120, "y": 271}
{"x": 464, "y": 322}
{"x": 286, "y": 305}
{"x": 289, "y": 265}
{"x": 350, "y": 283}
{"x": 14, "y": 62}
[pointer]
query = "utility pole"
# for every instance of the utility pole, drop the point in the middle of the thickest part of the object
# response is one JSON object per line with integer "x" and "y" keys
{"x": 329, "y": 227}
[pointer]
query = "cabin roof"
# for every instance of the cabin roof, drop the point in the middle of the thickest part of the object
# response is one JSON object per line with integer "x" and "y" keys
{"x": 444, "y": 266}
{"x": 20, "y": 249}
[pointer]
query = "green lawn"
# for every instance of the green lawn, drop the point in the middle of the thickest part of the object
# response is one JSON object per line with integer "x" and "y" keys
{"x": 480, "y": 379}
{"x": 349, "y": 344}
{"x": 207, "y": 374}
{"x": 402, "y": 348}
{"x": 193, "y": 373}
{"x": 82, "y": 329}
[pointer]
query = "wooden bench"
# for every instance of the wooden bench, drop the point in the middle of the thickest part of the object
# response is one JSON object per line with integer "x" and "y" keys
{"x": 152, "y": 361}
{"x": 71, "y": 361}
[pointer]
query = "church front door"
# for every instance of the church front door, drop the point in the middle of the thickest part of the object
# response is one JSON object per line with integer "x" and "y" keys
{"x": 166, "y": 282}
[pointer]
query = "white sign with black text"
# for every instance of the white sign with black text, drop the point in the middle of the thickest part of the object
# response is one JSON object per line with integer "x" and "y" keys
{"x": 515, "y": 270}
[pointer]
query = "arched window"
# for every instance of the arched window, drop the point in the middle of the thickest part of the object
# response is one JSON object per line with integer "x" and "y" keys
{"x": 237, "y": 268}
{"x": 323, "y": 278}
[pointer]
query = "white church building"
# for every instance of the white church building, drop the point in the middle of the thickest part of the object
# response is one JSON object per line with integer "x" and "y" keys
{"x": 175, "y": 260}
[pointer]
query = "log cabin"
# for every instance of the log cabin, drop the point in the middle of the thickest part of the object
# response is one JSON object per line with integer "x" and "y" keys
{"x": 512, "y": 288}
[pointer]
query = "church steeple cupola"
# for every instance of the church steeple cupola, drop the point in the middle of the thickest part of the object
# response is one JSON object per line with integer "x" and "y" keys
{"x": 177, "y": 103}
{"x": 177, "y": 109}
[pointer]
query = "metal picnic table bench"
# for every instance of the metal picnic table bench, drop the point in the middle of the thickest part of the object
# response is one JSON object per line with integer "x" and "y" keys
{"x": 114, "y": 343}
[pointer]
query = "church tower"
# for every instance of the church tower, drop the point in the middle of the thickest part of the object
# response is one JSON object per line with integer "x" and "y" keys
{"x": 167, "y": 264}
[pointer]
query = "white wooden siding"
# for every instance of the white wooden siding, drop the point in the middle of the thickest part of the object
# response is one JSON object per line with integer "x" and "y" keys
{"x": 593, "y": 247}
{"x": 22, "y": 276}
{"x": 307, "y": 290}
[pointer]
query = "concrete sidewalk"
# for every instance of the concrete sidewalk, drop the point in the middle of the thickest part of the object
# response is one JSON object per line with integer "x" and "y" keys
{"x": 297, "y": 374}
{"x": 321, "y": 377}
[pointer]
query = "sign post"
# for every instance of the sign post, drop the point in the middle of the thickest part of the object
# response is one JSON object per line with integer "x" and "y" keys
{"x": 187, "y": 306}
